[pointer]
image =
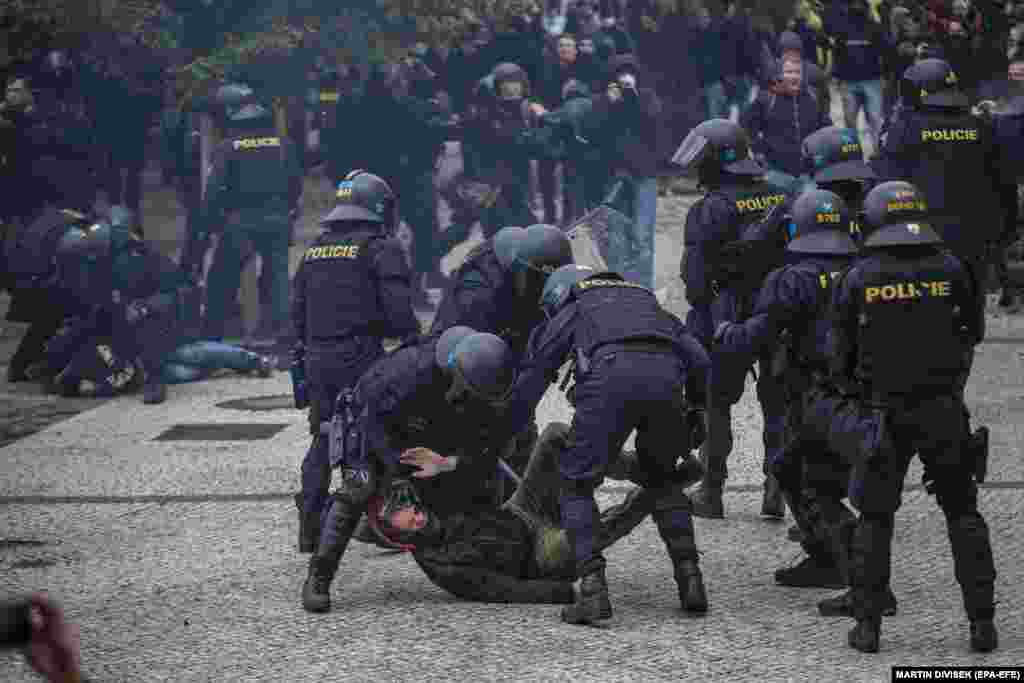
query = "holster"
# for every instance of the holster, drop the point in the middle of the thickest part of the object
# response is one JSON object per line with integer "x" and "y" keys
{"x": 346, "y": 447}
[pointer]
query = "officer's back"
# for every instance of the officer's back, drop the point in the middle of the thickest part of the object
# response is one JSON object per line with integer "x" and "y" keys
{"x": 935, "y": 143}
{"x": 262, "y": 166}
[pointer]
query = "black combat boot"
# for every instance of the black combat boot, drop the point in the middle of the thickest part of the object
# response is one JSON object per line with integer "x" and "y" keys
{"x": 866, "y": 634}
{"x": 592, "y": 601}
{"x": 309, "y": 527}
{"x": 707, "y": 500}
{"x": 341, "y": 522}
{"x": 316, "y": 591}
{"x": 772, "y": 504}
{"x": 842, "y": 605}
{"x": 692, "y": 596}
{"x": 984, "y": 637}
{"x": 811, "y": 573}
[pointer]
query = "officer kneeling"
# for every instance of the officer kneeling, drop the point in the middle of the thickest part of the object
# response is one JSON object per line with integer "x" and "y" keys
{"x": 906, "y": 319}
{"x": 633, "y": 361}
{"x": 444, "y": 394}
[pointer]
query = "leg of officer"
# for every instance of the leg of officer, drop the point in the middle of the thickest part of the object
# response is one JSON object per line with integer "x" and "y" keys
{"x": 600, "y": 426}
{"x": 876, "y": 489}
{"x": 224, "y": 279}
{"x": 672, "y": 507}
{"x": 957, "y": 495}
{"x": 548, "y": 188}
{"x": 316, "y": 465}
{"x": 773, "y": 407}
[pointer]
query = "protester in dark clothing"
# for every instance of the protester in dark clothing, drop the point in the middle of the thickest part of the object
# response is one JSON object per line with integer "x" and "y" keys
{"x": 778, "y": 121}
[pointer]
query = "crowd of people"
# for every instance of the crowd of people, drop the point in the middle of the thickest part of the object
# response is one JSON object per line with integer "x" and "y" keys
{"x": 803, "y": 256}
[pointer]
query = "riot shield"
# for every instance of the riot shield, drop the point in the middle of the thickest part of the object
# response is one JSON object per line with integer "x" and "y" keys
{"x": 590, "y": 235}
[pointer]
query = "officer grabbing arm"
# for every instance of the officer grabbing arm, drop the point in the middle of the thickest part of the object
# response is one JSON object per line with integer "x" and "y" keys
{"x": 443, "y": 394}
{"x": 905, "y": 322}
{"x": 719, "y": 290}
{"x": 352, "y": 290}
{"x": 794, "y": 304}
{"x": 632, "y": 362}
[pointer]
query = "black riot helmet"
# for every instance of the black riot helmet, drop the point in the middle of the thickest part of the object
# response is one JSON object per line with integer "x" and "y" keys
{"x": 506, "y": 245}
{"x": 932, "y": 83}
{"x": 895, "y": 214}
{"x": 820, "y": 224}
{"x": 363, "y": 196}
{"x": 714, "y": 147}
{"x": 511, "y": 84}
{"x": 231, "y": 97}
{"x": 444, "y": 349}
{"x": 559, "y": 287}
{"x": 834, "y": 154}
{"x": 483, "y": 371}
{"x": 542, "y": 250}
{"x": 251, "y": 116}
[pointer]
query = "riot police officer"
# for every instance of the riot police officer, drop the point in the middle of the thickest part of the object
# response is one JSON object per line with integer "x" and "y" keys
{"x": 633, "y": 361}
{"x": 496, "y": 290}
{"x": 904, "y": 399}
{"x": 934, "y": 142}
{"x": 793, "y": 305}
{"x": 497, "y": 287}
{"x": 443, "y": 393}
{"x": 351, "y": 291}
{"x": 833, "y": 159}
{"x": 718, "y": 290}
{"x": 255, "y": 185}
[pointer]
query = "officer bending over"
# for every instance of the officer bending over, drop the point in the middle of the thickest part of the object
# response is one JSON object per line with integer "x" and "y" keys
{"x": 352, "y": 290}
{"x": 633, "y": 360}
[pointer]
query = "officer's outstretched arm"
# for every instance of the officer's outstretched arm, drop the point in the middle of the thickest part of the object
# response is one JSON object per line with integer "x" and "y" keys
{"x": 782, "y": 301}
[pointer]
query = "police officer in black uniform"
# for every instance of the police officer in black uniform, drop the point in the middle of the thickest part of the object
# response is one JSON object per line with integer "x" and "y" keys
{"x": 834, "y": 160}
{"x": 441, "y": 393}
{"x": 907, "y": 314}
{"x": 934, "y": 142}
{"x": 633, "y": 361}
{"x": 351, "y": 291}
{"x": 794, "y": 305}
{"x": 255, "y": 185}
{"x": 718, "y": 289}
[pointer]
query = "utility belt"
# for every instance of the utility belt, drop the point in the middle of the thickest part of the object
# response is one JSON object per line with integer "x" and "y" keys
{"x": 582, "y": 362}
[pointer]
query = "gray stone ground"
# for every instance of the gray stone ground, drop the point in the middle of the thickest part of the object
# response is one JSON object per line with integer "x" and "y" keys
{"x": 177, "y": 559}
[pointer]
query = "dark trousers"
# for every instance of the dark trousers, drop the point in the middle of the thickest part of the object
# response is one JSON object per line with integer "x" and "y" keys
{"x": 418, "y": 199}
{"x": 626, "y": 390}
{"x": 330, "y": 369}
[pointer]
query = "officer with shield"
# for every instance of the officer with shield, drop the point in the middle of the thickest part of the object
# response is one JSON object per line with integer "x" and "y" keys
{"x": 718, "y": 151}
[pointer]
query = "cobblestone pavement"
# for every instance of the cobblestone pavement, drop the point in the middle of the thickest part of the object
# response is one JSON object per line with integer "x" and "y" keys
{"x": 177, "y": 559}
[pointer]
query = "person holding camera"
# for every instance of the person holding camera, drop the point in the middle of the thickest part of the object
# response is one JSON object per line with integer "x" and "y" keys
{"x": 627, "y": 129}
